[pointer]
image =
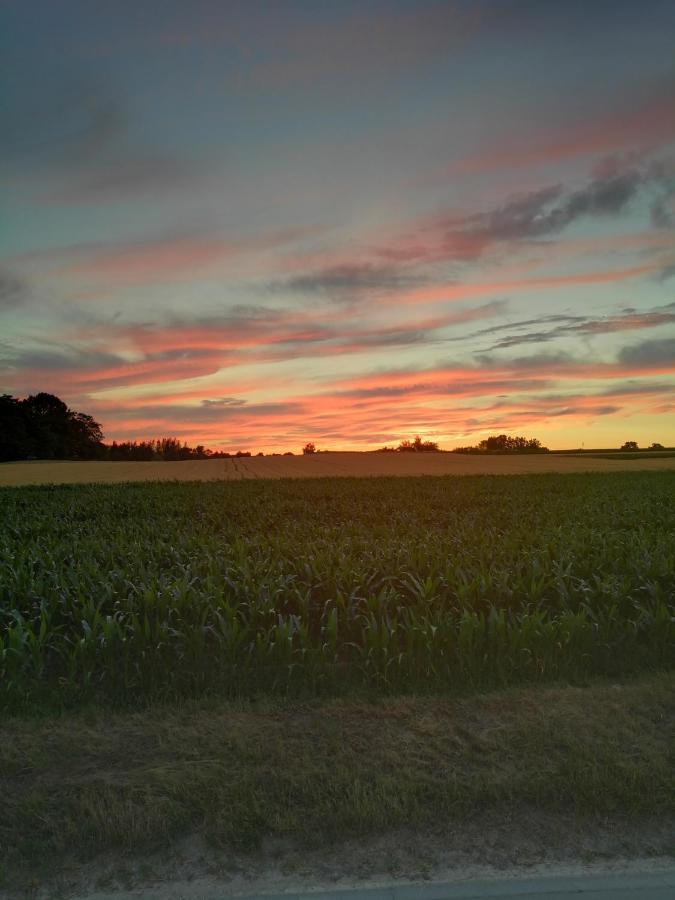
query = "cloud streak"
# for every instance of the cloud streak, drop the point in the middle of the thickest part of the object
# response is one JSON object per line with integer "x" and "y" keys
{"x": 647, "y": 125}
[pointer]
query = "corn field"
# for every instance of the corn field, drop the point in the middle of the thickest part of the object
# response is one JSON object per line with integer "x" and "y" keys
{"x": 134, "y": 593}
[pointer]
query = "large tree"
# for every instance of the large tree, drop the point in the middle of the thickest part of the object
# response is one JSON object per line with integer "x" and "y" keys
{"x": 42, "y": 426}
{"x": 15, "y": 442}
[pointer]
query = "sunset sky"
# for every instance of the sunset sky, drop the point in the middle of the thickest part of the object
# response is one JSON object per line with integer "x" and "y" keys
{"x": 254, "y": 224}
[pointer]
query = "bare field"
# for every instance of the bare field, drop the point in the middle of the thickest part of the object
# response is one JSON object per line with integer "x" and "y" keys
{"x": 313, "y": 466}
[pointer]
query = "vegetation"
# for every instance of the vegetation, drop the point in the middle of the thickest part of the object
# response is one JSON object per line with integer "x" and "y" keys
{"x": 162, "y": 449}
{"x": 42, "y": 426}
{"x": 502, "y": 443}
{"x": 137, "y": 592}
{"x": 633, "y": 446}
{"x": 314, "y": 773}
{"x": 415, "y": 446}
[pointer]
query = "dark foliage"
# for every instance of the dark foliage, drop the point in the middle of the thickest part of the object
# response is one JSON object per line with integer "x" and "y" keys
{"x": 416, "y": 446}
{"x": 503, "y": 443}
{"x": 43, "y": 427}
{"x": 164, "y": 449}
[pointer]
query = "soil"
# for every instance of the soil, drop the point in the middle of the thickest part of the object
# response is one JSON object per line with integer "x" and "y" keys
{"x": 527, "y": 843}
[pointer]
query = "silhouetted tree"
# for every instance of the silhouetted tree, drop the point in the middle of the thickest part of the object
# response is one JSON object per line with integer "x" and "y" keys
{"x": 630, "y": 445}
{"x": 84, "y": 436}
{"x": 15, "y": 442}
{"x": 41, "y": 426}
{"x": 309, "y": 448}
{"x": 417, "y": 446}
{"x": 656, "y": 446}
{"x": 503, "y": 443}
{"x": 47, "y": 421}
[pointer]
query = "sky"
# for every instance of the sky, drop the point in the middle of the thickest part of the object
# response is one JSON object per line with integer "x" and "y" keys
{"x": 250, "y": 225}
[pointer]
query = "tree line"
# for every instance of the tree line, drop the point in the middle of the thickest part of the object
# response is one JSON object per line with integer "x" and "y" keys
{"x": 168, "y": 449}
{"x": 503, "y": 443}
{"x": 43, "y": 427}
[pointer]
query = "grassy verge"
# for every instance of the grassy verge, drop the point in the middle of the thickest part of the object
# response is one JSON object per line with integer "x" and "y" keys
{"x": 236, "y": 773}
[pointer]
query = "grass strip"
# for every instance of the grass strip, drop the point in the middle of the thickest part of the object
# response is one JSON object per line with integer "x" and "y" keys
{"x": 236, "y": 773}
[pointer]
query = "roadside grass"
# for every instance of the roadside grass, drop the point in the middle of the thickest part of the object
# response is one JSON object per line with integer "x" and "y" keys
{"x": 238, "y": 772}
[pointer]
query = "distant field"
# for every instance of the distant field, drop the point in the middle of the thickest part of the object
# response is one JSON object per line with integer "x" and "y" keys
{"x": 323, "y": 465}
{"x": 139, "y": 592}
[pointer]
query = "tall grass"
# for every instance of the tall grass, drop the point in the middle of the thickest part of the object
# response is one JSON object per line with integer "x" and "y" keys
{"x": 128, "y": 593}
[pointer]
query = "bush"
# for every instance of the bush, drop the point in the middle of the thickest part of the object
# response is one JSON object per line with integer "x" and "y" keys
{"x": 417, "y": 446}
{"x": 503, "y": 443}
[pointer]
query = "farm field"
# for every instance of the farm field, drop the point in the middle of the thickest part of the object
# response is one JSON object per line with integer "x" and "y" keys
{"x": 131, "y": 593}
{"x": 237, "y": 663}
{"x": 326, "y": 465}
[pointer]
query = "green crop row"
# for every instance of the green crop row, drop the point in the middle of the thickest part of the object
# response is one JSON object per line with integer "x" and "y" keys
{"x": 130, "y": 593}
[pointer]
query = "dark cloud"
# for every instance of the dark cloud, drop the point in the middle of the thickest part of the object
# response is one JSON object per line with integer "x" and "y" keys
{"x": 523, "y": 323}
{"x": 661, "y": 215}
{"x": 350, "y": 280}
{"x": 631, "y": 387}
{"x": 13, "y": 290}
{"x": 451, "y": 388}
{"x": 210, "y": 412}
{"x": 547, "y": 211}
{"x": 618, "y": 389}
{"x": 602, "y": 197}
{"x": 561, "y": 326}
{"x": 582, "y": 411}
{"x": 522, "y": 216}
{"x": 535, "y": 361}
{"x": 119, "y": 179}
{"x": 649, "y": 352}
{"x": 179, "y": 353}
{"x": 59, "y": 361}
{"x": 223, "y": 402}
{"x": 537, "y": 215}
{"x": 69, "y": 119}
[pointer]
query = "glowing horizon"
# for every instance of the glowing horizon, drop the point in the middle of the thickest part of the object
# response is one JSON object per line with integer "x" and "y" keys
{"x": 253, "y": 225}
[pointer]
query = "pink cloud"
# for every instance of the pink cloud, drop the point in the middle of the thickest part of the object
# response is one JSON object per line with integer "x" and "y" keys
{"x": 466, "y": 291}
{"x": 157, "y": 260}
{"x": 647, "y": 127}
